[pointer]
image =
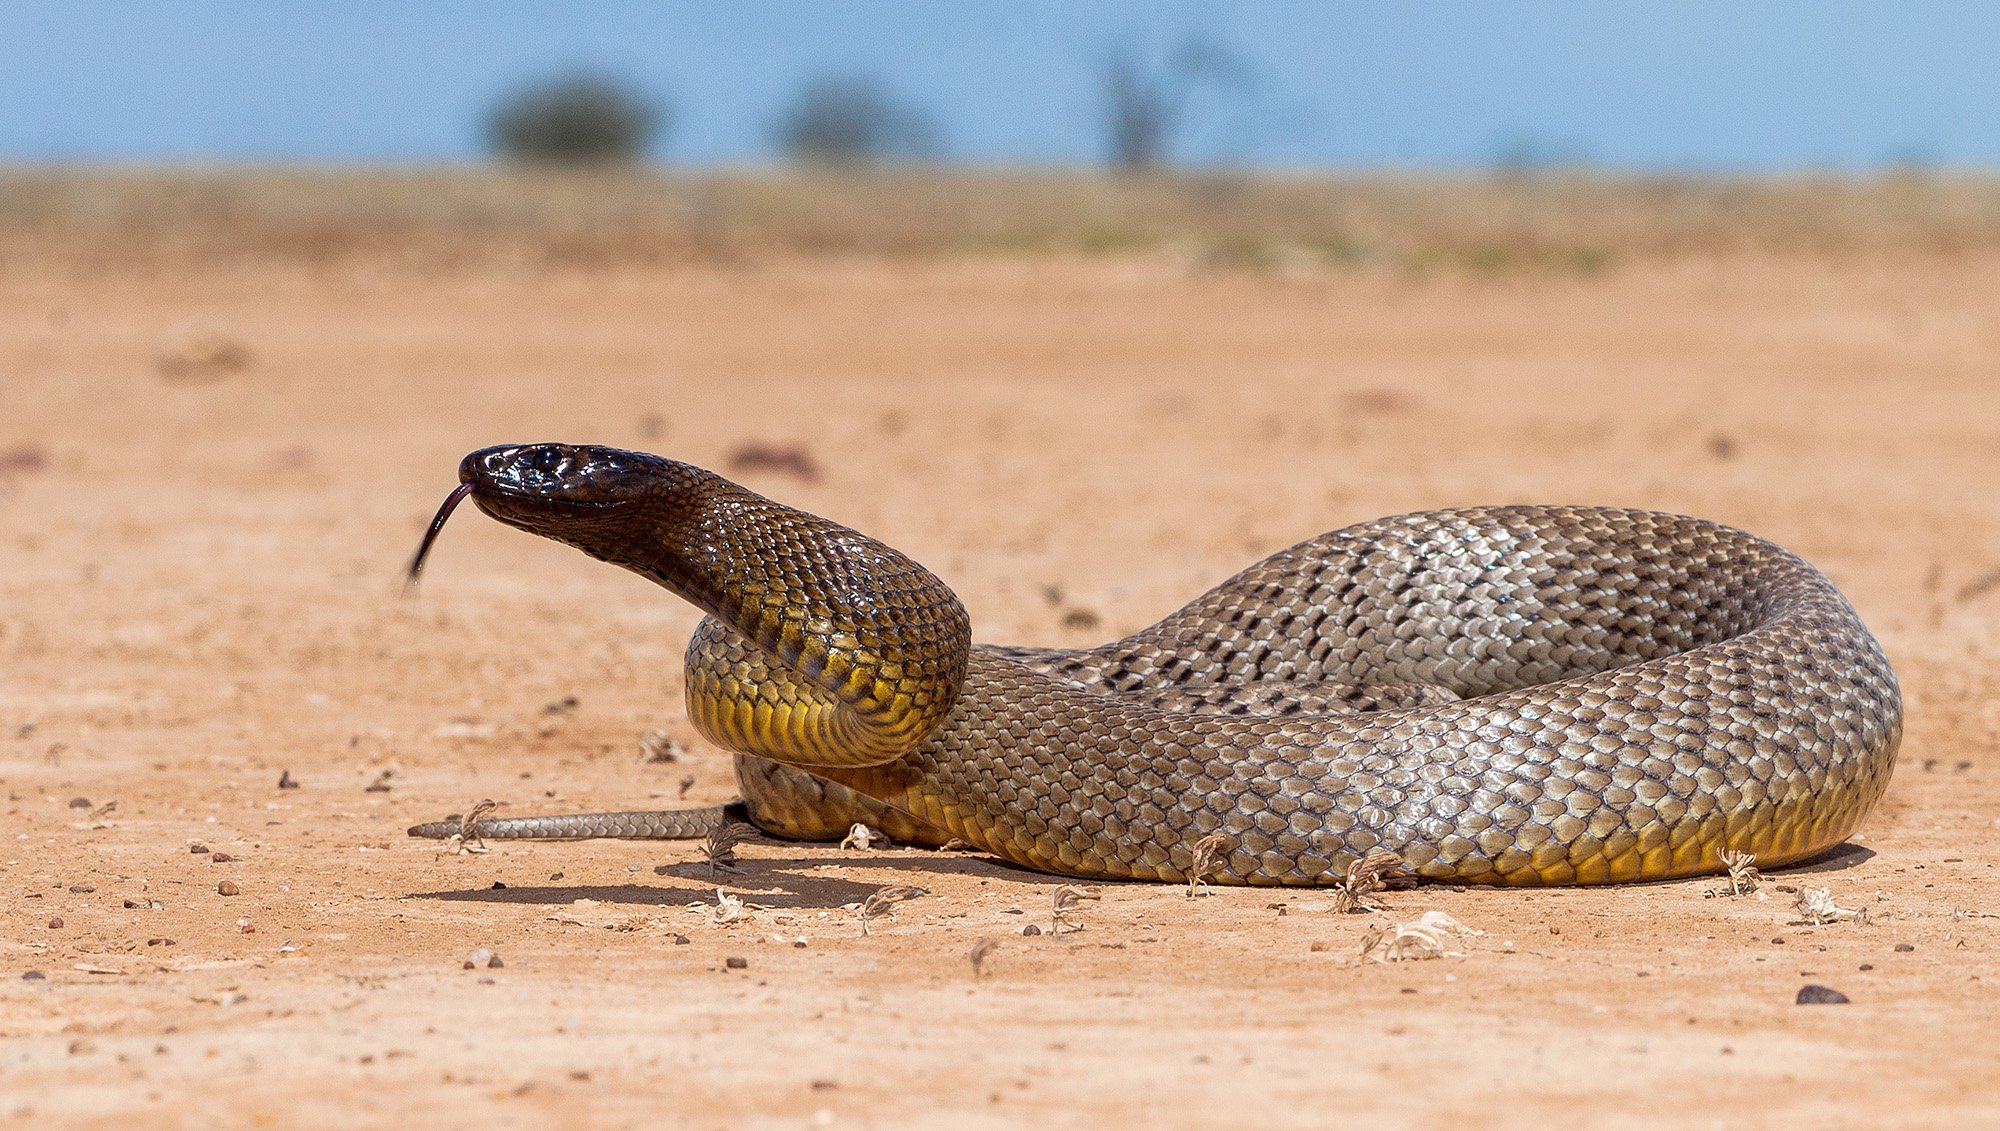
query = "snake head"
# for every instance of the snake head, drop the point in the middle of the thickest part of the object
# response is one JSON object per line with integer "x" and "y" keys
{"x": 526, "y": 485}
{"x": 606, "y": 502}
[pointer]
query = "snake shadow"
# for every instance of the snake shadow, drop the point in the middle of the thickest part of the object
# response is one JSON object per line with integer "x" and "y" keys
{"x": 1839, "y": 858}
{"x": 792, "y": 883}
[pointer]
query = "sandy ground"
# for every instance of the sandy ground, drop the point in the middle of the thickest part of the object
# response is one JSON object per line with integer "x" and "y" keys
{"x": 209, "y": 481}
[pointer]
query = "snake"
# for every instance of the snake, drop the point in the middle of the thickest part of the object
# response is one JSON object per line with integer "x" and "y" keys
{"x": 1513, "y": 695}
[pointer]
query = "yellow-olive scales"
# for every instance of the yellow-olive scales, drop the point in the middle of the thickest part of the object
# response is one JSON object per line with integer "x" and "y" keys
{"x": 1518, "y": 694}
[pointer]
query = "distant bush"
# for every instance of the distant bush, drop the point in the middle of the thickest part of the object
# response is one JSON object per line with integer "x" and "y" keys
{"x": 577, "y": 120}
{"x": 852, "y": 120}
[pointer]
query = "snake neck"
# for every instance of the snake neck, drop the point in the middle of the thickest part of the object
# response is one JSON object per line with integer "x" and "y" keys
{"x": 824, "y": 647}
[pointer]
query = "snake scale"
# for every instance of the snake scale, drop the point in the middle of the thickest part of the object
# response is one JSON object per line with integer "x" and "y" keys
{"x": 1510, "y": 695}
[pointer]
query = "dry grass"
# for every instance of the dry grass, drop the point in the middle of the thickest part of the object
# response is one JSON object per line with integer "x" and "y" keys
{"x": 446, "y": 217}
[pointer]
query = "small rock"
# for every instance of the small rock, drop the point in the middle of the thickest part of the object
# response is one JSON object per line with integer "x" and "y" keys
{"x": 81, "y": 889}
{"x": 1901, "y": 947}
{"x": 555, "y": 877}
{"x": 682, "y": 940}
{"x": 494, "y": 963}
{"x": 198, "y": 849}
{"x": 244, "y": 926}
{"x": 79, "y": 803}
{"x": 1867, "y": 966}
{"x": 55, "y": 923}
{"x": 161, "y": 942}
{"x": 144, "y": 905}
{"x": 220, "y": 858}
{"x": 1031, "y": 929}
{"x": 286, "y": 781}
{"x": 481, "y": 957}
{"x": 34, "y": 976}
{"x": 228, "y": 887}
{"x": 737, "y": 963}
{"x": 498, "y": 886}
{"x": 1814, "y": 994}
{"x": 562, "y": 706}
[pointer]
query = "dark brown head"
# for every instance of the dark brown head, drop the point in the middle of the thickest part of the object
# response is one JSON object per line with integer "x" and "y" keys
{"x": 604, "y": 501}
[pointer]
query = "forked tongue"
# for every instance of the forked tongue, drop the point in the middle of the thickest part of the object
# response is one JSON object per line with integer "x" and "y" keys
{"x": 451, "y": 502}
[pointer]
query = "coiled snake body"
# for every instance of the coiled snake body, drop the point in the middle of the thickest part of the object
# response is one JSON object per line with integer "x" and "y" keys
{"x": 1521, "y": 695}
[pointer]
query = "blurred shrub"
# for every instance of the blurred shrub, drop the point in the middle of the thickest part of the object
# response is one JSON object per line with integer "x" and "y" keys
{"x": 854, "y": 120}
{"x": 576, "y": 120}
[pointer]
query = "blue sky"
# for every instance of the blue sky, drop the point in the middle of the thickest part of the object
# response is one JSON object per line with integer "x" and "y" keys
{"x": 1702, "y": 84}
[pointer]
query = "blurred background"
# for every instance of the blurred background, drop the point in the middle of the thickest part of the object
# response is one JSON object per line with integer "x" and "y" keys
{"x": 1262, "y": 132}
{"x": 1696, "y": 86}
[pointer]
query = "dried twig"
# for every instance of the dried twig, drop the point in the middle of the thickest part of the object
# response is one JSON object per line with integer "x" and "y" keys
{"x": 980, "y": 951}
{"x": 1816, "y": 907}
{"x": 1065, "y": 905}
{"x": 1366, "y": 876}
{"x": 1743, "y": 874}
{"x": 720, "y": 847}
{"x": 1429, "y": 937}
{"x": 883, "y": 900}
{"x": 1206, "y": 852}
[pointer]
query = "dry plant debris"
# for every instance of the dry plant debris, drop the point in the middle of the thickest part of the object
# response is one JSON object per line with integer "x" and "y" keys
{"x": 1816, "y": 906}
{"x": 729, "y": 909}
{"x": 1206, "y": 852}
{"x": 466, "y": 839}
{"x": 1365, "y": 877}
{"x": 864, "y": 838}
{"x": 1065, "y": 904}
{"x": 1429, "y": 937}
{"x": 719, "y": 849}
{"x": 980, "y": 952}
{"x": 1743, "y": 875}
{"x": 885, "y": 899}
{"x": 659, "y": 746}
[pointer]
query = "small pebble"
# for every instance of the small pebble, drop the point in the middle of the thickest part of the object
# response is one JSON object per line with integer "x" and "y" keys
{"x": 285, "y": 780}
{"x": 81, "y": 889}
{"x": 160, "y": 942}
{"x": 198, "y": 849}
{"x": 79, "y": 802}
{"x": 481, "y": 957}
{"x": 221, "y": 858}
{"x": 555, "y": 876}
{"x": 55, "y": 923}
{"x": 682, "y": 940}
{"x": 1867, "y": 966}
{"x": 228, "y": 887}
{"x": 498, "y": 886}
{"x": 1031, "y": 929}
{"x": 737, "y": 963}
{"x": 1815, "y": 994}
{"x": 34, "y": 976}
{"x": 1901, "y": 947}
{"x": 244, "y": 926}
